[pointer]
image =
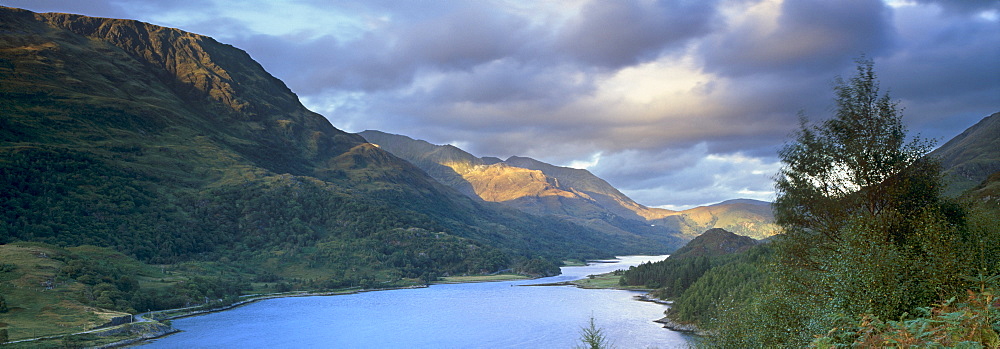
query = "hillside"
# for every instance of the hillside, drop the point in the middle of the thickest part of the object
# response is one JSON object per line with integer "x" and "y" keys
{"x": 171, "y": 147}
{"x": 536, "y": 187}
{"x": 73, "y": 289}
{"x": 972, "y": 156}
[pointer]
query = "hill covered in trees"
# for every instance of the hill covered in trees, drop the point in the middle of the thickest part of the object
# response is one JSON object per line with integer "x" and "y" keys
{"x": 690, "y": 278}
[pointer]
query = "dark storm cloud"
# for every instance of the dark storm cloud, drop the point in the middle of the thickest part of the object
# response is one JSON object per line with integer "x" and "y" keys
{"x": 460, "y": 40}
{"x": 964, "y": 7}
{"x": 614, "y": 34}
{"x": 90, "y": 8}
{"x": 807, "y": 36}
{"x": 952, "y": 62}
{"x": 507, "y": 80}
{"x": 390, "y": 58}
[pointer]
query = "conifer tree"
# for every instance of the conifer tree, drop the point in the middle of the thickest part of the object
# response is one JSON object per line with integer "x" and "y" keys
{"x": 593, "y": 337}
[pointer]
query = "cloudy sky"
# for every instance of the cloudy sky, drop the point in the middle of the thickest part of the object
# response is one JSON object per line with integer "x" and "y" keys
{"x": 677, "y": 103}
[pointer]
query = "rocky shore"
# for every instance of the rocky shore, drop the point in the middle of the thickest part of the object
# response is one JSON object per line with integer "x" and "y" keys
{"x": 140, "y": 331}
{"x": 649, "y": 298}
{"x": 679, "y": 327}
{"x": 671, "y": 324}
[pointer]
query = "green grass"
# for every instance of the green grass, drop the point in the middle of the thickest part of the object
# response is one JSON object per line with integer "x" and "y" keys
{"x": 604, "y": 281}
{"x": 35, "y": 308}
{"x": 43, "y": 301}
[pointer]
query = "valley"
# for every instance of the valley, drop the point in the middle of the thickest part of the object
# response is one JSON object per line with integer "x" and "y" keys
{"x": 147, "y": 168}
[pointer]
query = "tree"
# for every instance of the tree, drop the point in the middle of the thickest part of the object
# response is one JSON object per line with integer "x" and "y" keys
{"x": 593, "y": 337}
{"x": 848, "y": 164}
{"x": 866, "y": 229}
{"x": 3, "y": 305}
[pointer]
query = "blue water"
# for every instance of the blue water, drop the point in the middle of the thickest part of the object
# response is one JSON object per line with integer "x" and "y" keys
{"x": 479, "y": 315}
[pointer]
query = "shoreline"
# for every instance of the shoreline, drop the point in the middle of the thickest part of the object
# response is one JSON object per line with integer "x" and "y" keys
{"x": 690, "y": 329}
{"x": 474, "y": 279}
{"x": 151, "y": 325}
{"x": 262, "y": 297}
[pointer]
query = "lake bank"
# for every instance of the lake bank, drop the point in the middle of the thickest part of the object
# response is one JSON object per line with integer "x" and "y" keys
{"x": 468, "y": 315}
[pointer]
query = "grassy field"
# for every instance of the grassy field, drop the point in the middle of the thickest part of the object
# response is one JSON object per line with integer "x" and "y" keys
{"x": 43, "y": 300}
{"x": 39, "y": 302}
{"x": 608, "y": 280}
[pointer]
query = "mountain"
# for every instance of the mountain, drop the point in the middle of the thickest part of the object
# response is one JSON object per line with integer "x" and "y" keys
{"x": 691, "y": 264}
{"x": 714, "y": 242}
{"x": 522, "y": 182}
{"x": 745, "y": 217}
{"x": 170, "y": 147}
{"x": 530, "y": 186}
{"x": 972, "y": 156}
{"x": 544, "y": 189}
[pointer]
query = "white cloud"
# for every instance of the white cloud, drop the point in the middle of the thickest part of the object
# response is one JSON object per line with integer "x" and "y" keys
{"x": 586, "y": 164}
{"x": 688, "y": 177}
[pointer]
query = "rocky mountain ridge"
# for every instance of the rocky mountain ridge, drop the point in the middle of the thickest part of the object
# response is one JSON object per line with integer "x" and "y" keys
{"x": 540, "y": 188}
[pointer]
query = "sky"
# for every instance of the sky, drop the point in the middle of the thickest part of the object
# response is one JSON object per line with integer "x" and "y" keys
{"x": 676, "y": 103}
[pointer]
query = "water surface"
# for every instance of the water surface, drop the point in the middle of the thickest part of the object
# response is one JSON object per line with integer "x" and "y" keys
{"x": 479, "y": 315}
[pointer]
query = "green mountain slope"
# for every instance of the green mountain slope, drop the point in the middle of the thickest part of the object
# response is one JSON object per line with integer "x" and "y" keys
{"x": 170, "y": 147}
{"x": 971, "y": 157}
{"x": 714, "y": 242}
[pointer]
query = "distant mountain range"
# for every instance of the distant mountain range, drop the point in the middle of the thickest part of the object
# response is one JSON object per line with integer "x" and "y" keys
{"x": 539, "y": 188}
